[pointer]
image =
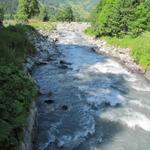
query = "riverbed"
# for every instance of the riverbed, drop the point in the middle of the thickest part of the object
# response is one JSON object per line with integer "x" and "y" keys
{"x": 88, "y": 101}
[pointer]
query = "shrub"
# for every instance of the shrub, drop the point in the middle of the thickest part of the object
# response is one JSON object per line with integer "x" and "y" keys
{"x": 17, "y": 90}
{"x": 14, "y": 45}
{"x": 16, "y": 94}
{"x": 1, "y": 14}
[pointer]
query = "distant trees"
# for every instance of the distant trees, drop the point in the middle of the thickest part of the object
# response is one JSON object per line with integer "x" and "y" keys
{"x": 121, "y": 17}
{"x": 27, "y": 9}
{"x": 65, "y": 14}
{"x": 43, "y": 15}
{"x": 33, "y": 8}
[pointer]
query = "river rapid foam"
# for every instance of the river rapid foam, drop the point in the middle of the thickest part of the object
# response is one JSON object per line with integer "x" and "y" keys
{"x": 98, "y": 104}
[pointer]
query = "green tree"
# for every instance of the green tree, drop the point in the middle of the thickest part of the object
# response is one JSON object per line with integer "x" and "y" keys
{"x": 27, "y": 9}
{"x": 141, "y": 18}
{"x": 65, "y": 14}
{"x": 33, "y": 8}
{"x": 43, "y": 15}
{"x": 121, "y": 17}
{"x": 22, "y": 12}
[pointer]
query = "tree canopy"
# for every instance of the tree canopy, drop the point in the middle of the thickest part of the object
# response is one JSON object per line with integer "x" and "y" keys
{"x": 65, "y": 13}
{"x": 27, "y": 9}
{"x": 121, "y": 17}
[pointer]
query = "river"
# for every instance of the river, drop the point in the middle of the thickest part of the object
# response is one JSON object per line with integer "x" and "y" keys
{"x": 90, "y": 101}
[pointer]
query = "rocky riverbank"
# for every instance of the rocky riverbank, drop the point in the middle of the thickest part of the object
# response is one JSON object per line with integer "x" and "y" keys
{"x": 46, "y": 50}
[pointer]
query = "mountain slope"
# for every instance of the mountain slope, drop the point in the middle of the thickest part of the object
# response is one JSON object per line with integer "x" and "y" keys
{"x": 83, "y": 5}
{"x": 9, "y": 6}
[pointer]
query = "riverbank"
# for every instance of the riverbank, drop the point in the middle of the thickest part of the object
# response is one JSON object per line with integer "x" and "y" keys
{"x": 17, "y": 90}
{"x": 123, "y": 55}
{"x": 114, "y": 47}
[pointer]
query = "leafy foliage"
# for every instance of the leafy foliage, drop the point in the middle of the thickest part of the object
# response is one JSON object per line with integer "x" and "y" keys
{"x": 17, "y": 91}
{"x": 27, "y": 9}
{"x": 140, "y": 47}
{"x": 1, "y": 14}
{"x": 14, "y": 45}
{"x": 65, "y": 14}
{"x": 16, "y": 95}
{"x": 81, "y": 8}
{"x": 121, "y": 17}
{"x": 43, "y": 13}
{"x": 22, "y": 12}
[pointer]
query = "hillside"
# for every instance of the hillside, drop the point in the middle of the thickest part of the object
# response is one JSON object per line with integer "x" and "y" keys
{"x": 82, "y": 6}
{"x": 9, "y": 5}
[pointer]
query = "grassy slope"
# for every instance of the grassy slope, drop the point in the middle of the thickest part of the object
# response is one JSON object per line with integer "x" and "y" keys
{"x": 46, "y": 26}
{"x": 140, "y": 47}
{"x": 17, "y": 90}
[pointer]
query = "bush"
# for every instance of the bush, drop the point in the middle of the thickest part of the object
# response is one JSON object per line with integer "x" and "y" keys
{"x": 14, "y": 45}
{"x": 16, "y": 89}
{"x": 1, "y": 14}
{"x": 16, "y": 94}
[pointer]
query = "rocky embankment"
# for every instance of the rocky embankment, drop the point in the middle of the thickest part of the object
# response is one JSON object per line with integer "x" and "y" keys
{"x": 46, "y": 50}
{"x": 100, "y": 46}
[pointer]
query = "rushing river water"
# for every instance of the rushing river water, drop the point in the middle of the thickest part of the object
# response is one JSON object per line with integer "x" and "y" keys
{"x": 96, "y": 104}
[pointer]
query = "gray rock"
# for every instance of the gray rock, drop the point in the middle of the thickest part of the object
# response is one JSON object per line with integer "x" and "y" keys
{"x": 28, "y": 131}
{"x": 147, "y": 75}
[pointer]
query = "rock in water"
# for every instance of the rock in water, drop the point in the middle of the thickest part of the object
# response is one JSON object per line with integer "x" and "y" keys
{"x": 64, "y": 107}
{"x": 49, "y": 101}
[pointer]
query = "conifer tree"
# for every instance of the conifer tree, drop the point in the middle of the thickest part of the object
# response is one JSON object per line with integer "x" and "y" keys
{"x": 43, "y": 15}
{"x": 27, "y": 9}
{"x": 22, "y": 12}
{"x": 33, "y": 8}
{"x": 121, "y": 17}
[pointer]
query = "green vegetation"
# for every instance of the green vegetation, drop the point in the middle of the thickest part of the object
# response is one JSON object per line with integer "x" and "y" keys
{"x": 140, "y": 47}
{"x": 81, "y": 8}
{"x": 1, "y": 14}
{"x": 121, "y": 17}
{"x": 14, "y": 45}
{"x": 17, "y": 91}
{"x": 65, "y": 14}
{"x": 121, "y": 23}
{"x": 27, "y": 9}
{"x": 43, "y": 15}
{"x": 46, "y": 26}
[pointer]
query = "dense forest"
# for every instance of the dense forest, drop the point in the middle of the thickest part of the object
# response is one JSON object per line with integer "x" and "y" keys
{"x": 120, "y": 17}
